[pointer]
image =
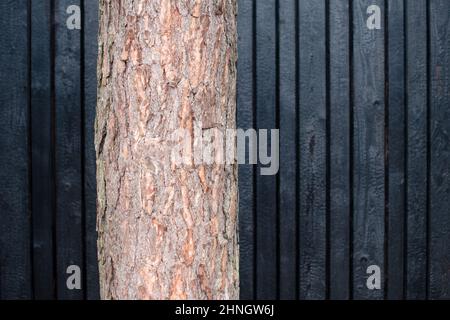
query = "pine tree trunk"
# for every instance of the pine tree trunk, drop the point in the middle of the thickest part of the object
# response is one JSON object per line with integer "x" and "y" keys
{"x": 165, "y": 231}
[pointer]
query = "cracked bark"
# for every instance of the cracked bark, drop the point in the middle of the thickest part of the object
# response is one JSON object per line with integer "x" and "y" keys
{"x": 165, "y": 231}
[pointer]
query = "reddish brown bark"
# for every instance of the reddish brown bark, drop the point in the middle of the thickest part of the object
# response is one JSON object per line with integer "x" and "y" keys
{"x": 165, "y": 231}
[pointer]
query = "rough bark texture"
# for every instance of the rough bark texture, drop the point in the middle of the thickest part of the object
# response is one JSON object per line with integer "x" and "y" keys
{"x": 165, "y": 231}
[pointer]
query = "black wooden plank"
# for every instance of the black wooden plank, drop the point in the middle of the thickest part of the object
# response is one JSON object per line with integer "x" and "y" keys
{"x": 439, "y": 223}
{"x": 15, "y": 251}
{"x": 312, "y": 166}
{"x": 340, "y": 194}
{"x": 266, "y": 191}
{"x": 41, "y": 135}
{"x": 288, "y": 149}
{"x": 245, "y": 120}
{"x": 416, "y": 179}
{"x": 90, "y": 31}
{"x": 69, "y": 228}
{"x": 368, "y": 148}
{"x": 396, "y": 150}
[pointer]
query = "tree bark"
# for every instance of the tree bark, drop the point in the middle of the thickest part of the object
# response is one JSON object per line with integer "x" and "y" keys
{"x": 165, "y": 231}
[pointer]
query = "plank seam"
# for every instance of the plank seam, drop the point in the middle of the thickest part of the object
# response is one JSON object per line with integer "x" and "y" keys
{"x": 352, "y": 98}
{"x": 386, "y": 149}
{"x": 30, "y": 148}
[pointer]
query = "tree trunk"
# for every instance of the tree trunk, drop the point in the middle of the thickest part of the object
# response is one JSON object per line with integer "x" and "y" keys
{"x": 166, "y": 231}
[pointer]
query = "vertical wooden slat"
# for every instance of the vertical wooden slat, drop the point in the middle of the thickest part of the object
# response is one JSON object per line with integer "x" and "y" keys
{"x": 266, "y": 215}
{"x": 15, "y": 219}
{"x": 42, "y": 164}
{"x": 416, "y": 121}
{"x": 396, "y": 150}
{"x": 90, "y": 31}
{"x": 439, "y": 140}
{"x": 312, "y": 166}
{"x": 245, "y": 120}
{"x": 69, "y": 228}
{"x": 339, "y": 47}
{"x": 288, "y": 150}
{"x": 368, "y": 148}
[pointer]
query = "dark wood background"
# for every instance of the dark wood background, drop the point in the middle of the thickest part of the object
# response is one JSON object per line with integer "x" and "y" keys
{"x": 364, "y": 119}
{"x": 47, "y": 159}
